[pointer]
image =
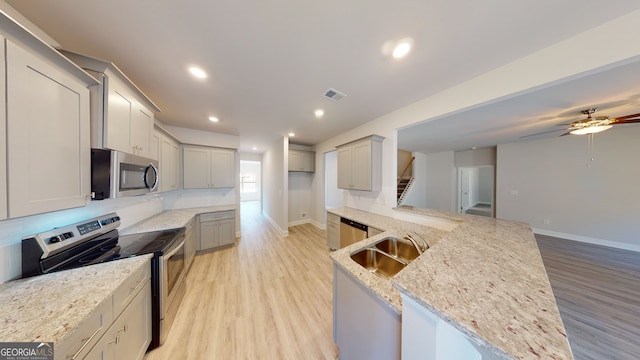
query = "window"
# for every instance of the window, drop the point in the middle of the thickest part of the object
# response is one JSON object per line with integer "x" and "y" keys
{"x": 248, "y": 183}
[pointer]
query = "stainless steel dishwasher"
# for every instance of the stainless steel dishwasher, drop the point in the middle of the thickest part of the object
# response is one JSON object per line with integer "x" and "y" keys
{"x": 351, "y": 232}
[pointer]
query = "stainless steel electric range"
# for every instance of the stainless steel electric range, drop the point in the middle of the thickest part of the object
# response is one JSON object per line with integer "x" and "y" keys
{"x": 96, "y": 241}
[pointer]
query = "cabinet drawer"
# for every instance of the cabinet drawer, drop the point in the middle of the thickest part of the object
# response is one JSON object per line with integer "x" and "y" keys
{"x": 220, "y": 215}
{"x": 80, "y": 341}
{"x": 333, "y": 219}
{"x": 129, "y": 288}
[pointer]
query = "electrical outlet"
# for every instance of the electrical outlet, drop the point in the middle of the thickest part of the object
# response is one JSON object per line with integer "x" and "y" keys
{"x": 546, "y": 221}
{"x": 514, "y": 192}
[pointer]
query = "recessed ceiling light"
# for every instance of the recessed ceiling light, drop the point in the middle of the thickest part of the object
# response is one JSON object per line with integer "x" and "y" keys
{"x": 402, "y": 48}
{"x": 292, "y": 134}
{"x": 254, "y": 148}
{"x": 197, "y": 72}
{"x": 319, "y": 113}
{"x": 214, "y": 119}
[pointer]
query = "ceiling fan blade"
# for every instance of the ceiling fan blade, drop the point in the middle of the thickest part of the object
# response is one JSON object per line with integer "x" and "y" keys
{"x": 631, "y": 121}
{"x": 567, "y": 133}
{"x": 626, "y": 117}
{"x": 544, "y": 132}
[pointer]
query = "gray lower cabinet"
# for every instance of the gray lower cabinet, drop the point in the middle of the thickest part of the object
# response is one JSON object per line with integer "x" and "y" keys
{"x": 364, "y": 327}
{"x": 119, "y": 328}
{"x": 216, "y": 229}
{"x": 333, "y": 231}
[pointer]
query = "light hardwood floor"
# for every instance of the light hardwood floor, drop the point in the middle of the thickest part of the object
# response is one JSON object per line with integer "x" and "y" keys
{"x": 268, "y": 297}
{"x": 598, "y": 294}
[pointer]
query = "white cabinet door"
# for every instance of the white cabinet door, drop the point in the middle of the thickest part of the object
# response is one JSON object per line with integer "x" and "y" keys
{"x": 48, "y": 148}
{"x": 208, "y": 235}
{"x": 308, "y": 162}
{"x": 3, "y": 137}
{"x": 222, "y": 169}
{"x": 196, "y": 162}
{"x": 118, "y": 119}
{"x": 141, "y": 128}
{"x": 295, "y": 161}
{"x": 226, "y": 232}
{"x": 361, "y": 166}
{"x": 130, "y": 334}
{"x": 165, "y": 163}
{"x": 155, "y": 146}
{"x": 344, "y": 168}
{"x": 333, "y": 231}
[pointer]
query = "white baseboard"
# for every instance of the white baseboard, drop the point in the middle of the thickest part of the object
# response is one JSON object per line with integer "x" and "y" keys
{"x": 283, "y": 233}
{"x": 589, "y": 240}
{"x": 299, "y": 222}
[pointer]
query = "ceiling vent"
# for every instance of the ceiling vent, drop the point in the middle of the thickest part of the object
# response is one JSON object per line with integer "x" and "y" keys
{"x": 333, "y": 94}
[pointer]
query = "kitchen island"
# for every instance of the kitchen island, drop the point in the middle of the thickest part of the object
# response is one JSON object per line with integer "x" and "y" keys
{"x": 484, "y": 277}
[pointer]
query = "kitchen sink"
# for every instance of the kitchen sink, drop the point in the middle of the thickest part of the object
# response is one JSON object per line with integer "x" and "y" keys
{"x": 398, "y": 248}
{"x": 378, "y": 262}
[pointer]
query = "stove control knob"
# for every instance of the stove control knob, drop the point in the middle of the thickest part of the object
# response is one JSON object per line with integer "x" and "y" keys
{"x": 55, "y": 239}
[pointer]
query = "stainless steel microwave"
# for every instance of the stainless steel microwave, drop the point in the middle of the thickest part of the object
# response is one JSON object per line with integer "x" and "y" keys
{"x": 116, "y": 174}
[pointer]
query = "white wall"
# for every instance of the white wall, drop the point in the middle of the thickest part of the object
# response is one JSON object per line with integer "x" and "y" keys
{"x": 478, "y": 157}
{"x": 557, "y": 63}
{"x": 554, "y": 179}
{"x": 299, "y": 197}
{"x": 440, "y": 181}
{"x": 275, "y": 185}
{"x": 485, "y": 194}
{"x": 333, "y": 195}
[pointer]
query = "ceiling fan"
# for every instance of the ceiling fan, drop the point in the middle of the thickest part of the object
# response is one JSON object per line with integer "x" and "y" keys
{"x": 592, "y": 125}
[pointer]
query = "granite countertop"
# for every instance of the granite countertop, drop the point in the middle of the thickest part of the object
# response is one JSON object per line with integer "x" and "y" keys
{"x": 172, "y": 219}
{"x": 485, "y": 277}
{"x": 49, "y": 307}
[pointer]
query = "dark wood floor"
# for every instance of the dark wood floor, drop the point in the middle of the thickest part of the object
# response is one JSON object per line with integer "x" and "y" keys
{"x": 598, "y": 293}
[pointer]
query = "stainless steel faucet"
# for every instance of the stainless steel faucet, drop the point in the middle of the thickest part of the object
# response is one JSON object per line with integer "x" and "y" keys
{"x": 421, "y": 249}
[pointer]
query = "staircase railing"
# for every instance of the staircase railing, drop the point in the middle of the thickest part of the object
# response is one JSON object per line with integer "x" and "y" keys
{"x": 406, "y": 168}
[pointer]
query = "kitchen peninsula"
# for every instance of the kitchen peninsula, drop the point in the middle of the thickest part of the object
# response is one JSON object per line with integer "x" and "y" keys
{"x": 485, "y": 278}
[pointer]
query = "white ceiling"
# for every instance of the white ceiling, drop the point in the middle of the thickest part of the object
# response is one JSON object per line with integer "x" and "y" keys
{"x": 270, "y": 61}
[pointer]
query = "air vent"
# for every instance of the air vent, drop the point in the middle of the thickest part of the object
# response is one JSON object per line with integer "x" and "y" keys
{"x": 335, "y": 95}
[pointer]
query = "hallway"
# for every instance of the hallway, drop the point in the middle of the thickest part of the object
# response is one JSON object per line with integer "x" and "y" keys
{"x": 268, "y": 297}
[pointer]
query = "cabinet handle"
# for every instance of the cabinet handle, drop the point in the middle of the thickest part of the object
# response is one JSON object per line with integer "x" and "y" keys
{"x": 86, "y": 342}
{"x": 123, "y": 329}
{"x": 115, "y": 341}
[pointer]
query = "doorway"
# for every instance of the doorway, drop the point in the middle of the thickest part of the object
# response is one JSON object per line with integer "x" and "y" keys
{"x": 250, "y": 180}
{"x": 476, "y": 187}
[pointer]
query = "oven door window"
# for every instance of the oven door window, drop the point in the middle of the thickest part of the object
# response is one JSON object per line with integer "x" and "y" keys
{"x": 174, "y": 268}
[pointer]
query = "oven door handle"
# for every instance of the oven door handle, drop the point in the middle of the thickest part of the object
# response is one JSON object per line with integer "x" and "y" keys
{"x": 174, "y": 251}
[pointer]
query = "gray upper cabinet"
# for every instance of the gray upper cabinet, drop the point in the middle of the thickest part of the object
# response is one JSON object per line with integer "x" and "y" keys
{"x": 45, "y": 159}
{"x": 121, "y": 114}
{"x": 205, "y": 167}
{"x": 303, "y": 161}
{"x": 360, "y": 164}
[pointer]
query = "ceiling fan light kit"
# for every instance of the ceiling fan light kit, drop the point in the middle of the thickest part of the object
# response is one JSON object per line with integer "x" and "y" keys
{"x": 592, "y": 125}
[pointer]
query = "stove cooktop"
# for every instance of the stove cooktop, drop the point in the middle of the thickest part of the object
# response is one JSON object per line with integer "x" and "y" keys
{"x": 156, "y": 242}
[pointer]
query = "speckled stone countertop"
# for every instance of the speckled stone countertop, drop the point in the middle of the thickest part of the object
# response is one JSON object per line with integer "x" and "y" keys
{"x": 485, "y": 277}
{"x": 49, "y": 307}
{"x": 172, "y": 219}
